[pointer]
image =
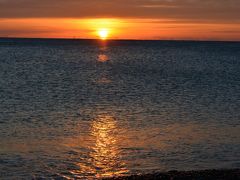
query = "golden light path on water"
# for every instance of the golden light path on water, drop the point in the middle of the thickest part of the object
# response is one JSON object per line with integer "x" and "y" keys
{"x": 103, "y": 58}
{"x": 104, "y": 157}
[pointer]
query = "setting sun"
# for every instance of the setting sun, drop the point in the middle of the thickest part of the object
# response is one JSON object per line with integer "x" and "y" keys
{"x": 103, "y": 33}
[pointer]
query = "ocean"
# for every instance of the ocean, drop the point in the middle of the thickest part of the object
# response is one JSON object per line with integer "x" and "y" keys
{"x": 92, "y": 109}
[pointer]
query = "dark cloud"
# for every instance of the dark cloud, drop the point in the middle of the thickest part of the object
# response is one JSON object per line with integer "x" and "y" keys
{"x": 214, "y": 10}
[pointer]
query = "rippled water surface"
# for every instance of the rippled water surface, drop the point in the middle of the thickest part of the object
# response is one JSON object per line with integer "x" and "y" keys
{"x": 87, "y": 109}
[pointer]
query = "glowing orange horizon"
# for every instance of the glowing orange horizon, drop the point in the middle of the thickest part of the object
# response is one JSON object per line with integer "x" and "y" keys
{"x": 110, "y": 28}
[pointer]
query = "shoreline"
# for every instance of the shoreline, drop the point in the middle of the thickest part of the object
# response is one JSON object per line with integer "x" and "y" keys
{"x": 219, "y": 174}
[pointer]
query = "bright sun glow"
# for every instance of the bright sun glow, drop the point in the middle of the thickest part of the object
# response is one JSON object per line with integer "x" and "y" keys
{"x": 103, "y": 28}
{"x": 103, "y": 33}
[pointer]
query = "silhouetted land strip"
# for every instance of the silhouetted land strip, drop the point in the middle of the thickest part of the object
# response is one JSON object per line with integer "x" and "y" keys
{"x": 233, "y": 174}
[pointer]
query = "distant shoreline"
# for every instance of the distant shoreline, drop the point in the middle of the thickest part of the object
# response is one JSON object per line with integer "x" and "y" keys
{"x": 221, "y": 174}
{"x": 82, "y": 39}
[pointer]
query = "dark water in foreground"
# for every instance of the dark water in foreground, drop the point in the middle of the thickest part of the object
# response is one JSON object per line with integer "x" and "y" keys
{"x": 82, "y": 109}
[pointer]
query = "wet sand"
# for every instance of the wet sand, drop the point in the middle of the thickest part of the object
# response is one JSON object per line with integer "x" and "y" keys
{"x": 233, "y": 174}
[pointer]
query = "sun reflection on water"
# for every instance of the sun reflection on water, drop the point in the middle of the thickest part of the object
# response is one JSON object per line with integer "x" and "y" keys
{"x": 103, "y": 58}
{"x": 104, "y": 159}
{"x": 106, "y": 154}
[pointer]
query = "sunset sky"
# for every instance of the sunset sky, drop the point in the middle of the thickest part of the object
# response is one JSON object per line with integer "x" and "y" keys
{"x": 121, "y": 19}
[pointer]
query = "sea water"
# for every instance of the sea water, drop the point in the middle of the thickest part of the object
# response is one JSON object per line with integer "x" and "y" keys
{"x": 88, "y": 109}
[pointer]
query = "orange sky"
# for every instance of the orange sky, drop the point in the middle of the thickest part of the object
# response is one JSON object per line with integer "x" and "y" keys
{"x": 118, "y": 29}
{"x": 132, "y": 19}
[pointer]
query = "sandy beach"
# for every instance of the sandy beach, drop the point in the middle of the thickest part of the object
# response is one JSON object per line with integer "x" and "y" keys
{"x": 184, "y": 175}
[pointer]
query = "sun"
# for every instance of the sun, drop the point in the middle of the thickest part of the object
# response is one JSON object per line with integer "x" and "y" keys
{"x": 103, "y": 33}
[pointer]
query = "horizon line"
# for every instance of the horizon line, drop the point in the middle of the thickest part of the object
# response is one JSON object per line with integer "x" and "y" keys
{"x": 92, "y": 39}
